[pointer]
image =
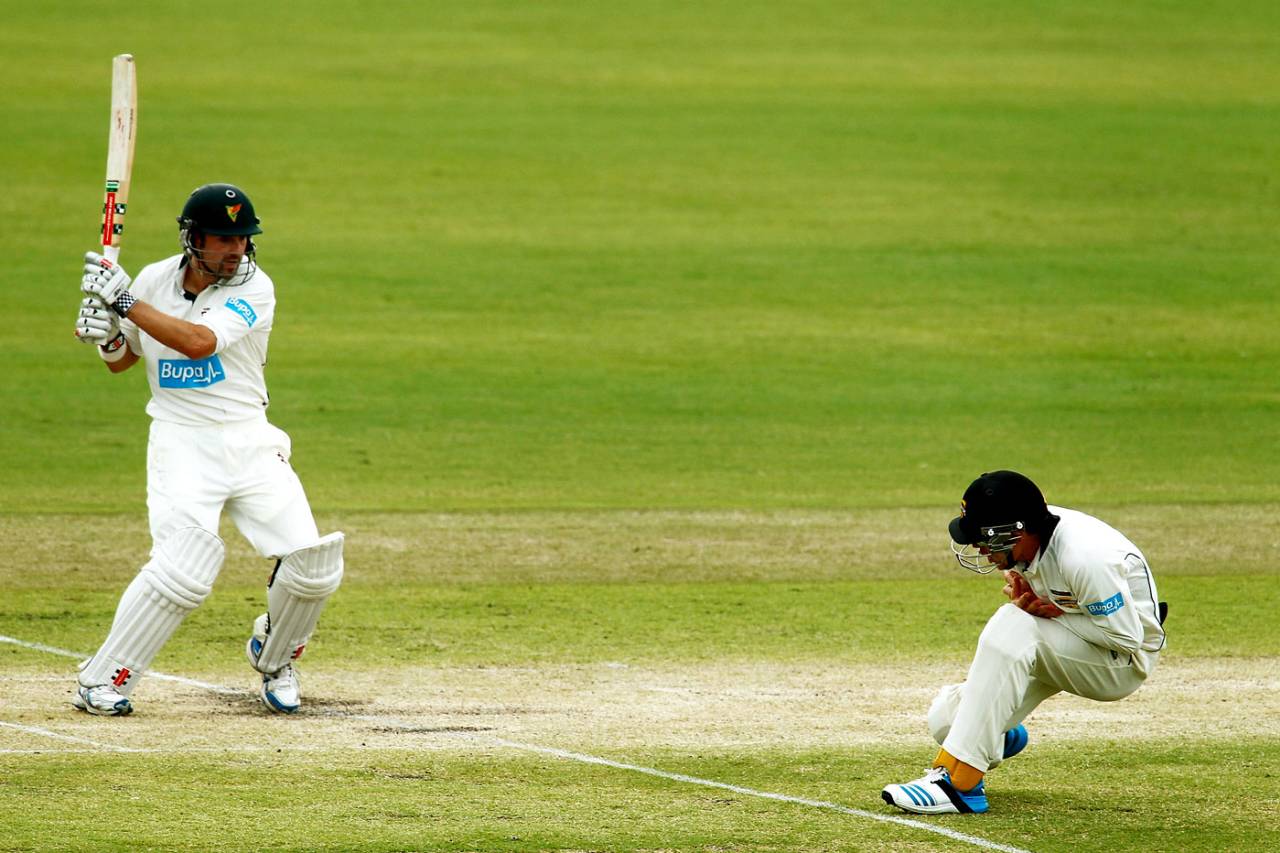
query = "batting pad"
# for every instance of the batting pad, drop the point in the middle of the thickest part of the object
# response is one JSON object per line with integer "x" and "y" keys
{"x": 174, "y": 582}
{"x": 302, "y": 584}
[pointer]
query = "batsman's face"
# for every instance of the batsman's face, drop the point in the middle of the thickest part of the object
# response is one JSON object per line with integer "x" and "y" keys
{"x": 226, "y": 251}
{"x": 222, "y": 254}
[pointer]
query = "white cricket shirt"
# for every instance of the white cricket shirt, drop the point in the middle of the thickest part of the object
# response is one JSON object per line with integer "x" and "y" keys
{"x": 229, "y": 385}
{"x": 1101, "y": 581}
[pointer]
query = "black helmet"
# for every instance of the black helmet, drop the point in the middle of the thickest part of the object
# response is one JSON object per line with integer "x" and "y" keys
{"x": 221, "y": 209}
{"x": 225, "y": 211}
{"x": 997, "y": 509}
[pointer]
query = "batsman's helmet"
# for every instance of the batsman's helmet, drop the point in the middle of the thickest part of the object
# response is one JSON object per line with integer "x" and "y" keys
{"x": 221, "y": 209}
{"x": 996, "y": 510}
{"x": 224, "y": 210}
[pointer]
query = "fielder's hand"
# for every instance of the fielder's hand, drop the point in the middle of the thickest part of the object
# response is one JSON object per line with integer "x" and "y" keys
{"x": 97, "y": 324}
{"x": 107, "y": 282}
{"x": 1021, "y": 594}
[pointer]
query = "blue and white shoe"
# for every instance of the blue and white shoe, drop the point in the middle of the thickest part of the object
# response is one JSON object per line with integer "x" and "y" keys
{"x": 102, "y": 700}
{"x": 933, "y": 793}
{"x": 1015, "y": 740}
{"x": 280, "y": 690}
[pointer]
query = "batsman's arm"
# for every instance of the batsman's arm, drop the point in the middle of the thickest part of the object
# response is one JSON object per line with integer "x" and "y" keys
{"x": 191, "y": 339}
{"x": 109, "y": 283}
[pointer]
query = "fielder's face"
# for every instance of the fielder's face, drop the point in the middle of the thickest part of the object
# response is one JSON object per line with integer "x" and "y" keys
{"x": 1024, "y": 549}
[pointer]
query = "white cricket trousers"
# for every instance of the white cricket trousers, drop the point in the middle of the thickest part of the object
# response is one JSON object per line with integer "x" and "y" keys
{"x": 193, "y": 472}
{"x": 1021, "y": 661}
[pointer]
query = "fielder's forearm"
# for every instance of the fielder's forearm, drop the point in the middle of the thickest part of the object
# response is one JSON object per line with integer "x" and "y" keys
{"x": 190, "y": 339}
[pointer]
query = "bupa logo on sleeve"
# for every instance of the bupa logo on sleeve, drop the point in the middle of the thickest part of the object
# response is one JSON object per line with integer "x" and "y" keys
{"x": 189, "y": 373}
{"x": 1106, "y": 608}
{"x": 244, "y": 309}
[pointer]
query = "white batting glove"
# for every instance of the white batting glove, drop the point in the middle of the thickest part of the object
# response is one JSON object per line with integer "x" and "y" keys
{"x": 97, "y": 324}
{"x": 107, "y": 282}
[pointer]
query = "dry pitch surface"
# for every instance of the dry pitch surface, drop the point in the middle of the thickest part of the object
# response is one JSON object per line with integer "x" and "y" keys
{"x": 609, "y": 707}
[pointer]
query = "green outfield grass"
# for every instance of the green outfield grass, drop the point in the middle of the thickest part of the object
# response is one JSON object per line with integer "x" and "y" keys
{"x": 660, "y": 338}
{"x": 726, "y": 255}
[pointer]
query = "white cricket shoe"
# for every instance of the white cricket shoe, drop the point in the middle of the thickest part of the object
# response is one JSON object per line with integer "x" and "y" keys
{"x": 102, "y": 700}
{"x": 933, "y": 793}
{"x": 280, "y": 690}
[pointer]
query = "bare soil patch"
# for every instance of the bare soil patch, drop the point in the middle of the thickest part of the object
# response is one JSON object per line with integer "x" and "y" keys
{"x": 618, "y": 707}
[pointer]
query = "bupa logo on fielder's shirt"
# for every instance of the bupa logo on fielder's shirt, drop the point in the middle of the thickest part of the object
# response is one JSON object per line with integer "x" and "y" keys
{"x": 188, "y": 373}
{"x": 1106, "y": 608}
{"x": 244, "y": 309}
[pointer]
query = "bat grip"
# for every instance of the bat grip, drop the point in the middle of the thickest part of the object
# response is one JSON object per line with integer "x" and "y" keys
{"x": 111, "y": 253}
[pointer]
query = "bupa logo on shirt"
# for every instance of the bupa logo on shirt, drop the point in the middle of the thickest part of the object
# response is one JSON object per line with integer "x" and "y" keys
{"x": 244, "y": 309}
{"x": 190, "y": 373}
{"x": 1106, "y": 608}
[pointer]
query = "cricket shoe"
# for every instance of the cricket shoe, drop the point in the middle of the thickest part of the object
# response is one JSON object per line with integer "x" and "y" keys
{"x": 1015, "y": 740}
{"x": 280, "y": 690}
{"x": 102, "y": 700}
{"x": 933, "y": 793}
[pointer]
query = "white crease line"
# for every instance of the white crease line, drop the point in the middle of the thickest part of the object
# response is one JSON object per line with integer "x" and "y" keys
{"x": 592, "y": 759}
{"x": 190, "y": 682}
{"x": 36, "y": 730}
{"x": 215, "y": 750}
{"x": 751, "y": 792}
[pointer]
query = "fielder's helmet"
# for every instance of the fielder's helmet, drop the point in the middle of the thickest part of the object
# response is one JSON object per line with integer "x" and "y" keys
{"x": 221, "y": 209}
{"x": 996, "y": 510}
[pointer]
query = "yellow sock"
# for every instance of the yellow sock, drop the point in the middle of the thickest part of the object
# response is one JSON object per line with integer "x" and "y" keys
{"x": 965, "y": 777}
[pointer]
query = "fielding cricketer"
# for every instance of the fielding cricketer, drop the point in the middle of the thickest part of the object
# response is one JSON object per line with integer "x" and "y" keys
{"x": 1083, "y": 618}
{"x": 200, "y": 320}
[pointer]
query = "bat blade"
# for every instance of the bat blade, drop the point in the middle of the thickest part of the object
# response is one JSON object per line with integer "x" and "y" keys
{"x": 124, "y": 128}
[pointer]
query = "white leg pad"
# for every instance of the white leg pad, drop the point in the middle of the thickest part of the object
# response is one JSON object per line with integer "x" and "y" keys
{"x": 174, "y": 582}
{"x": 302, "y": 584}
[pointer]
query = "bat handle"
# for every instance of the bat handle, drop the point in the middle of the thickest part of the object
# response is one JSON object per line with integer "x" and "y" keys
{"x": 111, "y": 253}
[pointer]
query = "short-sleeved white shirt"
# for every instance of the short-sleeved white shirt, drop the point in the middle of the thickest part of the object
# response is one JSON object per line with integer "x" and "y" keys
{"x": 229, "y": 385}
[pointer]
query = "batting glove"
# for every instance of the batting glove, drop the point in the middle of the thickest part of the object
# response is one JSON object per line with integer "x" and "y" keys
{"x": 107, "y": 282}
{"x": 97, "y": 324}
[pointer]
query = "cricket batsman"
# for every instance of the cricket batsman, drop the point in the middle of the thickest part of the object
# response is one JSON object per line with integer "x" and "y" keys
{"x": 200, "y": 320}
{"x": 1083, "y": 617}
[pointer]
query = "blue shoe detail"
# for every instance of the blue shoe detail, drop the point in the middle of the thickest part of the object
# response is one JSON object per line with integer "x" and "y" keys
{"x": 975, "y": 798}
{"x": 925, "y": 797}
{"x": 1015, "y": 740}
{"x": 275, "y": 703}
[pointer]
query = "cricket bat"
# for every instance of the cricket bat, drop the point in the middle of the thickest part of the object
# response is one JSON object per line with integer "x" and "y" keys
{"x": 124, "y": 128}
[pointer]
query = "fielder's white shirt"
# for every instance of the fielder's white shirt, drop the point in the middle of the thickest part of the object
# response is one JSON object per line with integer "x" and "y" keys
{"x": 1102, "y": 583}
{"x": 229, "y": 385}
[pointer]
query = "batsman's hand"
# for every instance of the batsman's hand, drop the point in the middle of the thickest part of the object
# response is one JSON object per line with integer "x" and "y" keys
{"x": 97, "y": 324}
{"x": 1021, "y": 594}
{"x": 107, "y": 282}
